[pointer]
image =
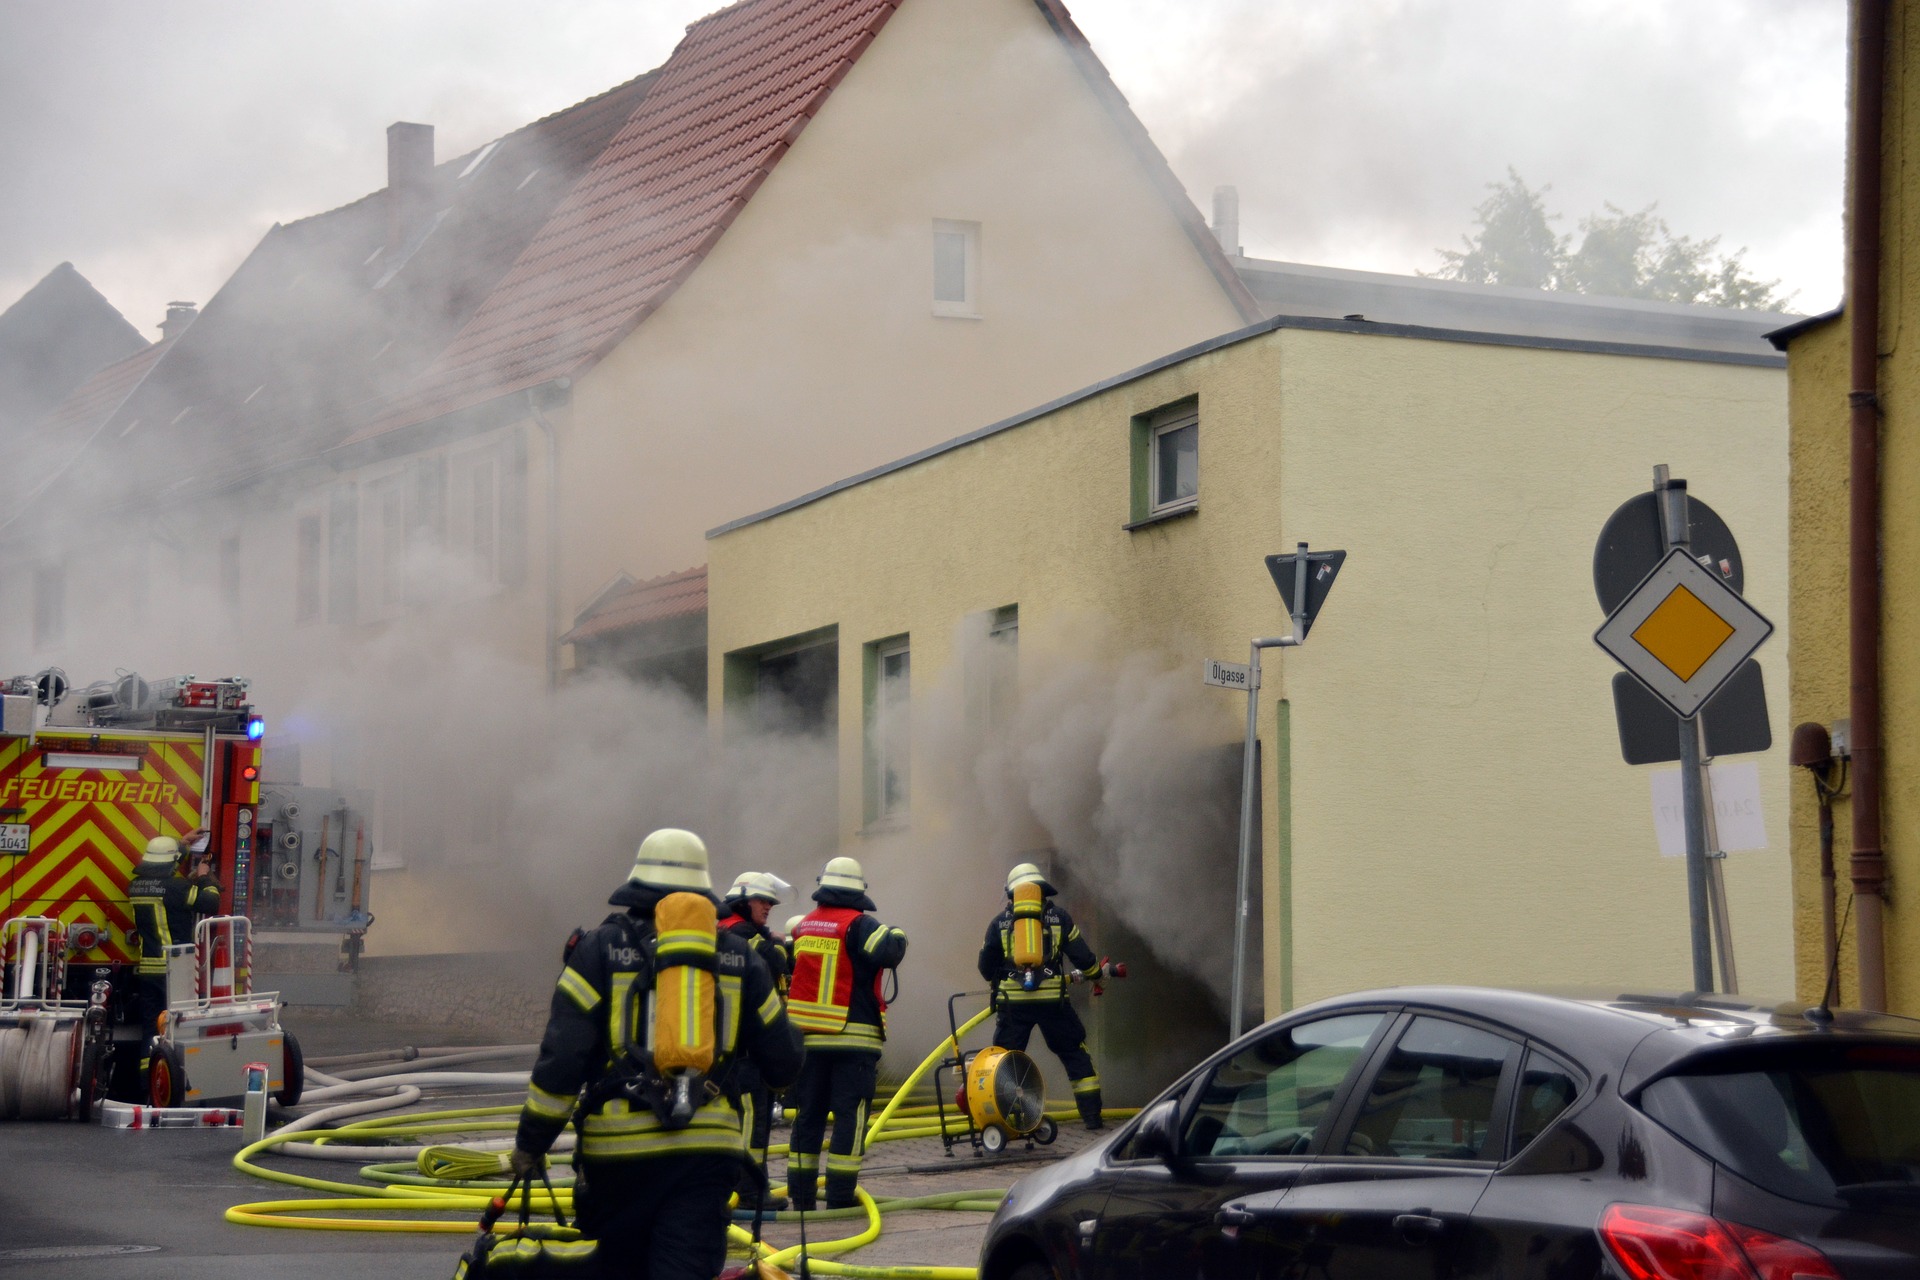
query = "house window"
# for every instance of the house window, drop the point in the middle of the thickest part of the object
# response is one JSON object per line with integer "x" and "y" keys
{"x": 385, "y": 508}
{"x": 306, "y": 569}
{"x": 475, "y": 513}
{"x": 1175, "y": 482}
{"x": 49, "y": 605}
{"x": 1003, "y": 665}
{"x": 343, "y": 554}
{"x": 956, "y": 268}
{"x": 889, "y": 716}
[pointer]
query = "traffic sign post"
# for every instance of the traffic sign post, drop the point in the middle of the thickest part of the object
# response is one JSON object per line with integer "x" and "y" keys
{"x": 1683, "y": 632}
{"x": 1304, "y": 578}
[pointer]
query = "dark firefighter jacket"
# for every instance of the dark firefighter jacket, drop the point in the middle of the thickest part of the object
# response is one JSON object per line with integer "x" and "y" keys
{"x": 875, "y": 948}
{"x": 598, "y": 1002}
{"x": 1064, "y": 948}
{"x": 761, "y": 940}
{"x": 165, "y": 909}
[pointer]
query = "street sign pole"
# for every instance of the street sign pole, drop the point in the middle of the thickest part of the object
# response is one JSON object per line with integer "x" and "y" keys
{"x": 1673, "y": 519}
{"x": 1236, "y": 1018}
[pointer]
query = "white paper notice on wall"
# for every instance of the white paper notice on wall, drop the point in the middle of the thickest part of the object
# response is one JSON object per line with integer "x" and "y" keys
{"x": 1738, "y": 818}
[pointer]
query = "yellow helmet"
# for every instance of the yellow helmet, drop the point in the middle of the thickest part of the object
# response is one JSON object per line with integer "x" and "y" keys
{"x": 162, "y": 852}
{"x": 843, "y": 873}
{"x": 672, "y": 859}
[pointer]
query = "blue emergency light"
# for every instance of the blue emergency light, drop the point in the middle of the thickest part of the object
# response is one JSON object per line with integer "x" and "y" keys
{"x": 256, "y": 728}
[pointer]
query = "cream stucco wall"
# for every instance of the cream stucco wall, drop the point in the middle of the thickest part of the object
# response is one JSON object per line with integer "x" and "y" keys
{"x": 1458, "y": 807}
{"x": 805, "y": 348}
{"x": 1818, "y": 371}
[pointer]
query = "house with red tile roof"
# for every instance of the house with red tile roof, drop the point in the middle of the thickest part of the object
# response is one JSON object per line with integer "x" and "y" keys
{"x": 504, "y": 397}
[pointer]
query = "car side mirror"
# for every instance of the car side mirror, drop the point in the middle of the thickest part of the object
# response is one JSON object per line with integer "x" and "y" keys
{"x": 1158, "y": 1137}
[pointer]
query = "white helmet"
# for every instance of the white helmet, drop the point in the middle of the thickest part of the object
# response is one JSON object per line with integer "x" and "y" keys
{"x": 162, "y": 852}
{"x": 761, "y": 885}
{"x": 793, "y": 922}
{"x": 1028, "y": 873}
{"x": 843, "y": 873}
{"x": 672, "y": 859}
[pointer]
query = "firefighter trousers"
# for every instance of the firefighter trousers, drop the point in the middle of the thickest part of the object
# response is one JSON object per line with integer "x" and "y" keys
{"x": 149, "y": 1002}
{"x": 839, "y": 1081}
{"x": 659, "y": 1217}
{"x": 754, "y": 1089}
{"x": 1065, "y": 1035}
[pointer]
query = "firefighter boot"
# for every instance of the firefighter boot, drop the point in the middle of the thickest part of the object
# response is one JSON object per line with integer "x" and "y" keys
{"x": 1089, "y": 1104}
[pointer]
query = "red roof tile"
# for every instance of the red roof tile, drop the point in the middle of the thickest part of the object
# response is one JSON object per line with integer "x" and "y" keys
{"x": 671, "y": 595}
{"x": 726, "y": 106}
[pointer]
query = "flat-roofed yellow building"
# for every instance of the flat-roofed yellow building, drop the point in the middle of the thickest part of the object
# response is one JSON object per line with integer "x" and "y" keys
{"x": 1007, "y": 632}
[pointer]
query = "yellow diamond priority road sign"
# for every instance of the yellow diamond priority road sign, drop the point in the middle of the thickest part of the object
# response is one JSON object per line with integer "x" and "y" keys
{"x": 1683, "y": 632}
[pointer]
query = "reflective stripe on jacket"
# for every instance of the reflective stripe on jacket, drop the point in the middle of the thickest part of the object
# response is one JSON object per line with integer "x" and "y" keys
{"x": 1065, "y": 950}
{"x": 867, "y": 949}
{"x": 600, "y": 1005}
{"x": 165, "y": 909}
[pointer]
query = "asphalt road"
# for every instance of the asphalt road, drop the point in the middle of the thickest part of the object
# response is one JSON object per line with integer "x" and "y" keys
{"x": 107, "y": 1203}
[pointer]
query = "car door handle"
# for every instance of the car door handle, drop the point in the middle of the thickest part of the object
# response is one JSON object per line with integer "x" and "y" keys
{"x": 1416, "y": 1227}
{"x": 1236, "y": 1217}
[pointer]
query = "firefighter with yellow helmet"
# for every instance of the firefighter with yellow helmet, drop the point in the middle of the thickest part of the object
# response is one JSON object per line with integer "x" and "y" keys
{"x": 166, "y": 905}
{"x": 653, "y": 1009}
{"x": 1033, "y": 949}
{"x": 841, "y": 956}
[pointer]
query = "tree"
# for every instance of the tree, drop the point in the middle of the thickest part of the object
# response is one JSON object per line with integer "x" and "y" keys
{"x": 1621, "y": 254}
{"x": 1514, "y": 245}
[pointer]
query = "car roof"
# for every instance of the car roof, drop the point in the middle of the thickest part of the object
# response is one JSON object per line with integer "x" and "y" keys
{"x": 1635, "y": 1036}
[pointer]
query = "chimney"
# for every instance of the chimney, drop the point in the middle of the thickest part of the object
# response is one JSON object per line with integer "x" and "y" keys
{"x": 1226, "y": 219}
{"x": 179, "y": 316}
{"x": 409, "y": 179}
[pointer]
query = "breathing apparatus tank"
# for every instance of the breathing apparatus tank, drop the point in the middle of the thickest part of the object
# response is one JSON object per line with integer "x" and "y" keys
{"x": 1028, "y": 944}
{"x": 681, "y": 1015}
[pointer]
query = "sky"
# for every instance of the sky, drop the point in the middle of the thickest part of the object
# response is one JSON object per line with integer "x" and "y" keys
{"x": 152, "y": 145}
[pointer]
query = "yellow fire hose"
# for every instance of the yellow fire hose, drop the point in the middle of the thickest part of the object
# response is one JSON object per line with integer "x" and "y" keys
{"x": 463, "y": 1181}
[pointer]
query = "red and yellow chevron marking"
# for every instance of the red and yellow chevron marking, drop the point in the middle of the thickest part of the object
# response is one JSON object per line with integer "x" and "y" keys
{"x": 88, "y": 828}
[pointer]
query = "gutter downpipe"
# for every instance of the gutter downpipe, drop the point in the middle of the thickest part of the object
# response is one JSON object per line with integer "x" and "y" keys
{"x": 1868, "y": 862}
{"x": 553, "y": 535}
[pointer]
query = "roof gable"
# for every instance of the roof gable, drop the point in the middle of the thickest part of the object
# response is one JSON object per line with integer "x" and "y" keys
{"x": 727, "y": 105}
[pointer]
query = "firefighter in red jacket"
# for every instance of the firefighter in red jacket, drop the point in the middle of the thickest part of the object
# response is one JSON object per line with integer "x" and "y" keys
{"x": 743, "y": 912}
{"x": 840, "y": 959}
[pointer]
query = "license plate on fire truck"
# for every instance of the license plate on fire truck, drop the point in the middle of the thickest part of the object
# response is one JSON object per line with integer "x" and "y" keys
{"x": 13, "y": 837}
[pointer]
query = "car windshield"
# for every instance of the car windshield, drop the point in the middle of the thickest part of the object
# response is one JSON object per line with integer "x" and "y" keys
{"x": 1832, "y": 1125}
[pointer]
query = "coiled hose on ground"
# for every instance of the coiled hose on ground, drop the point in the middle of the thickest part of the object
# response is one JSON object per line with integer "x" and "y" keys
{"x": 431, "y": 1176}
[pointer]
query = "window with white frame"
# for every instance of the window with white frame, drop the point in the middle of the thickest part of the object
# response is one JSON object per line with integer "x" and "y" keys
{"x": 475, "y": 508}
{"x": 889, "y": 730}
{"x": 956, "y": 268}
{"x": 308, "y": 560}
{"x": 383, "y": 519}
{"x": 1173, "y": 460}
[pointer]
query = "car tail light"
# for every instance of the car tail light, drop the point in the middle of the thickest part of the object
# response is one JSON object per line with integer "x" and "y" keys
{"x": 1669, "y": 1244}
{"x": 1775, "y": 1258}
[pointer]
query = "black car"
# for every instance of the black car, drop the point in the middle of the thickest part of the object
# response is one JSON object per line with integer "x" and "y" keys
{"x": 1457, "y": 1132}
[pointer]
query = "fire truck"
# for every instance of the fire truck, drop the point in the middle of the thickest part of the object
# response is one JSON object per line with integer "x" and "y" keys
{"x": 87, "y": 777}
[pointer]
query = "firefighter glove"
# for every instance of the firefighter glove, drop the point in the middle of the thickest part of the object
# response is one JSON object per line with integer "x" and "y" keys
{"x": 523, "y": 1163}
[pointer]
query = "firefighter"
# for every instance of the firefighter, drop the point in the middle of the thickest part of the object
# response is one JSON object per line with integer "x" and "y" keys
{"x": 652, "y": 1186}
{"x": 1030, "y": 990}
{"x": 841, "y": 958}
{"x": 166, "y": 903}
{"x": 744, "y": 911}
